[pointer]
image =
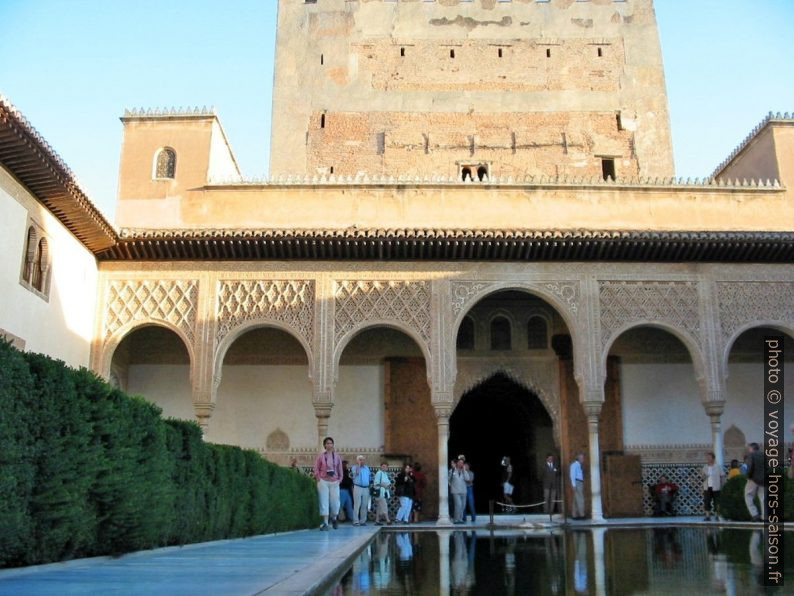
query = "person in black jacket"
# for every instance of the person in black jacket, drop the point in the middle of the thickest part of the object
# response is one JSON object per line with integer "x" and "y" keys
{"x": 756, "y": 481}
{"x": 405, "y": 491}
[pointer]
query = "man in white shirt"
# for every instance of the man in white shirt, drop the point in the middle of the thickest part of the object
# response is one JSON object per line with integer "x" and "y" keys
{"x": 577, "y": 484}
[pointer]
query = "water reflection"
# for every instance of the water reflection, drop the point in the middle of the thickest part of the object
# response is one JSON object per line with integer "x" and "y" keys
{"x": 598, "y": 561}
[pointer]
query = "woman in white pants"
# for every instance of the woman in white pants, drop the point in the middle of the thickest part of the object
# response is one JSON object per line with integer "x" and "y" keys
{"x": 328, "y": 472}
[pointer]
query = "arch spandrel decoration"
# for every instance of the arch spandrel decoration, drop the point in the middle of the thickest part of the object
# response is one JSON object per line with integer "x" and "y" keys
{"x": 539, "y": 378}
{"x": 566, "y": 293}
{"x": 404, "y": 302}
{"x": 673, "y": 303}
{"x": 170, "y": 301}
{"x": 743, "y": 305}
{"x": 290, "y": 302}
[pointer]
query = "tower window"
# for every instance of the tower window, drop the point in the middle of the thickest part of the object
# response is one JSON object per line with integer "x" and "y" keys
{"x": 619, "y": 121}
{"x": 402, "y": 52}
{"x": 537, "y": 334}
{"x": 482, "y": 173}
{"x": 322, "y": 59}
{"x": 500, "y": 334}
{"x": 500, "y": 52}
{"x": 322, "y": 120}
{"x": 452, "y": 53}
{"x": 600, "y": 52}
{"x": 465, "y": 174}
{"x": 165, "y": 163}
{"x": 608, "y": 168}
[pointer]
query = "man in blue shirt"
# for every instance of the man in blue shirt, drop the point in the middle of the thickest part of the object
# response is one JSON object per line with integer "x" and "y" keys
{"x": 577, "y": 484}
{"x": 361, "y": 478}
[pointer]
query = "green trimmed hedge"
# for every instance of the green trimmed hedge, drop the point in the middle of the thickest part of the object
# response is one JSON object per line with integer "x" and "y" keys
{"x": 732, "y": 505}
{"x": 87, "y": 470}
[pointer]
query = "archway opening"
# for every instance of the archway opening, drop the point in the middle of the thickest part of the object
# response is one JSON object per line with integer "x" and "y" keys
{"x": 744, "y": 404}
{"x": 496, "y": 418}
{"x": 264, "y": 400}
{"x": 153, "y": 361}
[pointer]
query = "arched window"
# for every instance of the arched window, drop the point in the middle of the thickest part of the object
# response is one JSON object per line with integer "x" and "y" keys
{"x": 466, "y": 334}
{"x": 465, "y": 174}
{"x": 537, "y": 334}
{"x": 500, "y": 334}
{"x": 41, "y": 265}
{"x": 30, "y": 254}
{"x": 165, "y": 163}
{"x": 482, "y": 173}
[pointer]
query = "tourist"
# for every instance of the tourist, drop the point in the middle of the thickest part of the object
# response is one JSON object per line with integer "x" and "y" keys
{"x": 457, "y": 486}
{"x": 756, "y": 481}
{"x": 713, "y": 480}
{"x": 404, "y": 484}
{"x": 577, "y": 485}
{"x": 507, "y": 486}
{"x": 665, "y": 493}
{"x": 469, "y": 476}
{"x": 420, "y": 483}
{"x": 381, "y": 485}
{"x": 360, "y": 474}
{"x": 328, "y": 472}
{"x": 346, "y": 491}
{"x": 734, "y": 470}
{"x": 551, "y": 482}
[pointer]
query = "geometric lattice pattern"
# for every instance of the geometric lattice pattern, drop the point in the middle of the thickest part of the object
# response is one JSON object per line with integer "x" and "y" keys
{"x": 403, "y": 301}
{"x": 671, "y": 302}
{"x": 287, "y": 301}
{"x": 171, "y": 301}
{"x": 688, "y": 477}
{"x": 746, "y": 302}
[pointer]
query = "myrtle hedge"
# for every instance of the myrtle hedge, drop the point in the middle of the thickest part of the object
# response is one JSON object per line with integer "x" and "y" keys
{"x": 732, "y": 505}
{"x": 87, "y": 470}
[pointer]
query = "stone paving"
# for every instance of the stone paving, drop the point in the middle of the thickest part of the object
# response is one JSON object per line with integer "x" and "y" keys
{"x": 289, "y": 563}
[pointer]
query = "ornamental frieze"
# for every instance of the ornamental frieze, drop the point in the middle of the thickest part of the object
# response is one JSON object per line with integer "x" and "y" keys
{"x": 358, "y": 301}
{"x": 167, "y": 300}
{"x": 743, "y": 303}
{"x": 290, "y": 302}
{"x": 672, "y": 302}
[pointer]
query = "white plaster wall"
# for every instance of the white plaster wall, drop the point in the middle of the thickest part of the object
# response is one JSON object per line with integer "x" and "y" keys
{"x": 221, "y": 162}
{"x": 662, "y": 406}
{"x": 357, "y": 419}
{"x": 744, "y": 405}
{"x": 62, "y": 326}
{"x": 167, "y": 385}
{"x": 253, "y": 401}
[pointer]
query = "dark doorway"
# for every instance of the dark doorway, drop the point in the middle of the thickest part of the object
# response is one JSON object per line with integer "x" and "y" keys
{"x": 500, "y": 417}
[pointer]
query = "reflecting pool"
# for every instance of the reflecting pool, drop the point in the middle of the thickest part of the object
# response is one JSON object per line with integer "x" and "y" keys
{"x": 659, "y": 560}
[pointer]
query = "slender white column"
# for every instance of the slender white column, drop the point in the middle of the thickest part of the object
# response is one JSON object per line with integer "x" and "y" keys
{"x": 593, "y": 410}
{"x": 442, "y": 414}
{"x": 598, "y": 561}
{"x": 714, "y": 410}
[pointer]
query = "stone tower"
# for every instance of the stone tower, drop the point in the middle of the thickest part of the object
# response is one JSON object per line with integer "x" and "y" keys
{"x": 480, "y": 87}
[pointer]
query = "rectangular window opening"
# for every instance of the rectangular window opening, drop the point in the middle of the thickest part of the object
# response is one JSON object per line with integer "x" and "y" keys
{"x": 322, "y": 59}
{"x": 548, "y": 52}
{"x": 402, "y": 52}
{"x": 500, "y": 52}
{"x": 452, "y": 53}
{"x": 608, "y": 169}
{"x": 600, "y": 52}
{"x": 322, "y": 120}
{"x": 619, "y": 121}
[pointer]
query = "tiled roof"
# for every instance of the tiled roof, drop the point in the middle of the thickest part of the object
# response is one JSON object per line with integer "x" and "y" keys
{"x": 451, "y": 245}
{"x": 25, "y": 153}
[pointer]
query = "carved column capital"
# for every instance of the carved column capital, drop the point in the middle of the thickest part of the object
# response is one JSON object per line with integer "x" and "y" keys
{"x": 322, "y": 409}
{"x": 714, "y": 408}
{"x": 203, "y": 412}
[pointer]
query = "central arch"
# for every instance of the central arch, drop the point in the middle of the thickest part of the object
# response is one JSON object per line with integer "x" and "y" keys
{"x": 500, "y": 417}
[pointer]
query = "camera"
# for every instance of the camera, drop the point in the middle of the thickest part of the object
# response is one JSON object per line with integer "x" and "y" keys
{"x": 330, "y": 473}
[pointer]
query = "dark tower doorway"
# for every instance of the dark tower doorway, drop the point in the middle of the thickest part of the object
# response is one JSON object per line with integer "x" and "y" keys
{"x": 500, "y": 417}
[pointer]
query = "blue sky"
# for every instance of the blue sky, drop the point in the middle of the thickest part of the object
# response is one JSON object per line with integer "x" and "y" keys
{"x": 73, "y": 66}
